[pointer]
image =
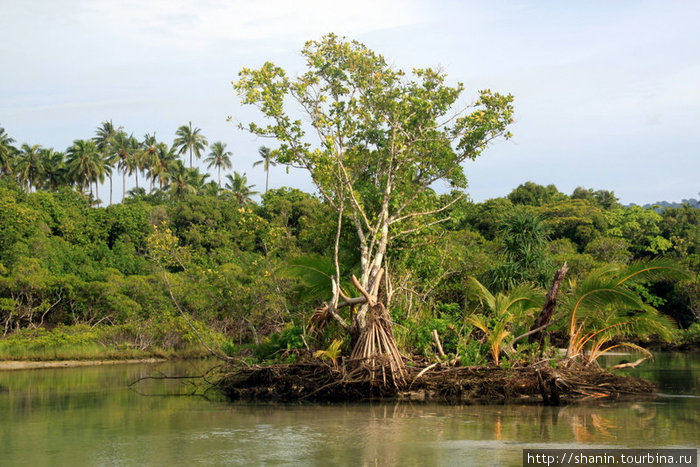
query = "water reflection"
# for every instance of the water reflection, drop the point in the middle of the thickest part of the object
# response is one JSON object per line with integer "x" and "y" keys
{"x": 88, "y": 416}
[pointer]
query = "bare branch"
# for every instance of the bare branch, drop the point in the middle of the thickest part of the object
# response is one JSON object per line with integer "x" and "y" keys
{"x": 421, "y": 227}
{"x": 393, "y": 220}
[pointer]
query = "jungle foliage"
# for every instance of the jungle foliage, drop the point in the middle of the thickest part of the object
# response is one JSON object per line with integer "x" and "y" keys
{"x": 250, "y": 272}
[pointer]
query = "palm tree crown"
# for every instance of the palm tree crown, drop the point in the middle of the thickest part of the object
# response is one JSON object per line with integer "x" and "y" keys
{"x": 28, "y": 166}
{"x": 267, "y": 161}
{"x": 190, "y": 139}
{"x": 238, "y": 185}
{"x": 219, "y": 157}
{"x": 85, "y": 164}
{"x": 7, "y": 152}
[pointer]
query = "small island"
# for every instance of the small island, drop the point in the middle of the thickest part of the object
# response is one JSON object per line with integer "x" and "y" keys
{"x": 388, "y": 282}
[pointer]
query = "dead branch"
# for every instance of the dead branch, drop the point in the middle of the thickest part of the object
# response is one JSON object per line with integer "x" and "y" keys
{"x": 368, "y": 298}
{"x": 550, "y": 304}
{"x": 629, "y": 364}
{"x": 436, "y": 338}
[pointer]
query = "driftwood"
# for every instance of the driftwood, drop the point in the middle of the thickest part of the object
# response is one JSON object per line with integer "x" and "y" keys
{"x": 629, "y": 364}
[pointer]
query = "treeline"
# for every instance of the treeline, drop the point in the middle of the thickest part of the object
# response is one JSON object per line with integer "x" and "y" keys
{"x": 112, "y": 152}
{"x": 254, "y": 273}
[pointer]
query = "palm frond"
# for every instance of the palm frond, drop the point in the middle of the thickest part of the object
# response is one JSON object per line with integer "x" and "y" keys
{"x": 654, "y": 270}
{"x": 482, "y": 292}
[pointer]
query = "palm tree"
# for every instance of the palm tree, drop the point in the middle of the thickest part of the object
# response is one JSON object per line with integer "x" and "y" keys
{"x": 125, "y": 146}
{"x": 219, "y": 157}
{"x": 55, "y": 173}
{"x": 85, "y": 164}
{"x": 502, "y": 313}
{"x": 190, "y": 139}
{"x": 143, "y": 158}
{"x": 238, "y": 186}
{"x": 104, "y": 138}
{"x": 605, "y": 307}
{"x": 183, "y": 181}
{"x": 28, "y": 166}
{"x": 7, "y": 152}
{"x": 267, "y": 161}
{"x": 162, "y": 161}
{"x": 209, "y": 189}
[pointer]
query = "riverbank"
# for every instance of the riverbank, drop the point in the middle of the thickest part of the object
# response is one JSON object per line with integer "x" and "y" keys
{"x": 9, "y": 365}
{"x": 127, "y": 342}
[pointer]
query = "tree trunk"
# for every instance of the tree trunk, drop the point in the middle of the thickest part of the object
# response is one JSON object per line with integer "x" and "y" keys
{"x": 549, "y": 305}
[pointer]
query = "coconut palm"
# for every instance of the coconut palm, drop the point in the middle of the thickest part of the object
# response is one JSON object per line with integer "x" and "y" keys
{"x": 183, "y": 181}
{"x": 125, "y": 146}
{"x": 55, "y": 172}
{"x": 267, "y": 161}
{"x": 238, "y": 186}
{"x": 162, "y": 161}
{"x": 7, "y": 152}
{"x": 104, "y": 139}
{"x": 605, "y": 307}
{"x": 84, "y": 164}
{"x": 28, "y": 167}
{"x": 209, "y": 189}
{"x": 219, "y": 157}
{"x": 190, "y": 139}
{"x": 144, "y": 157}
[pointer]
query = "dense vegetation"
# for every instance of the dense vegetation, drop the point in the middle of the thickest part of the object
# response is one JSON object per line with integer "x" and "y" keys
{"x": 188, "y": 260}
{"x": 255, "y": 272}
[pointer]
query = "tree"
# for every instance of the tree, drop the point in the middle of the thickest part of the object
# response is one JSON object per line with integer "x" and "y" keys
{"x": 104, "y": 138}
{"x": 267, "y": 161}
{"x": 85, "y": 164}
{"x": 603, "y": 198}
{"x": 605, "y": 307}
{"x": 532, "y": 194}
{"x": 219, "y": 157}
{"x": 145, "y": 156}
{"x": 163, "y": 161}
{"x": 7, "y": 152}
{"x": 28, "y": 167}
{"x": 238, "y": 185}
{"x": 185, "y": 181}
{"x": 190, "y": 139}
{"x": 381, "y": 140}
{"x": 524, "y": 249}
{"x": 55, "y": 172}
{"x": 126, "y": 147}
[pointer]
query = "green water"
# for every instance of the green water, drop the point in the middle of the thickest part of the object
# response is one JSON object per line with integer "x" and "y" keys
{"x": 88, "y": 416}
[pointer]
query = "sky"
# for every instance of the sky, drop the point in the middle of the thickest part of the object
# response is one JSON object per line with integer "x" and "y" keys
{"x": 607, "y": 93}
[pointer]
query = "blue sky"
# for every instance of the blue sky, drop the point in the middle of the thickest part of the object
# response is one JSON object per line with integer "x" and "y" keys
{"x": 607, "y": 93}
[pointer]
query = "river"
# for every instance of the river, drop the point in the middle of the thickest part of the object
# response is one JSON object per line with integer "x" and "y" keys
{"x": 90, "y": 417}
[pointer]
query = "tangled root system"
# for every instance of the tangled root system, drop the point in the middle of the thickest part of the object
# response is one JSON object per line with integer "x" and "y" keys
{"x": 361, "y": 381}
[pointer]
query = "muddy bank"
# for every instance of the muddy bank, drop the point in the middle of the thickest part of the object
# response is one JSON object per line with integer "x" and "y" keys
{"x": 28, "y": 365}
{"x": 315, "y": 382}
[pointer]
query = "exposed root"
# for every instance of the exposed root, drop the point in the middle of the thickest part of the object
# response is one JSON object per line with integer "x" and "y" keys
{"x": 375, "y": 352}
{"x": 319, "y": 382}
